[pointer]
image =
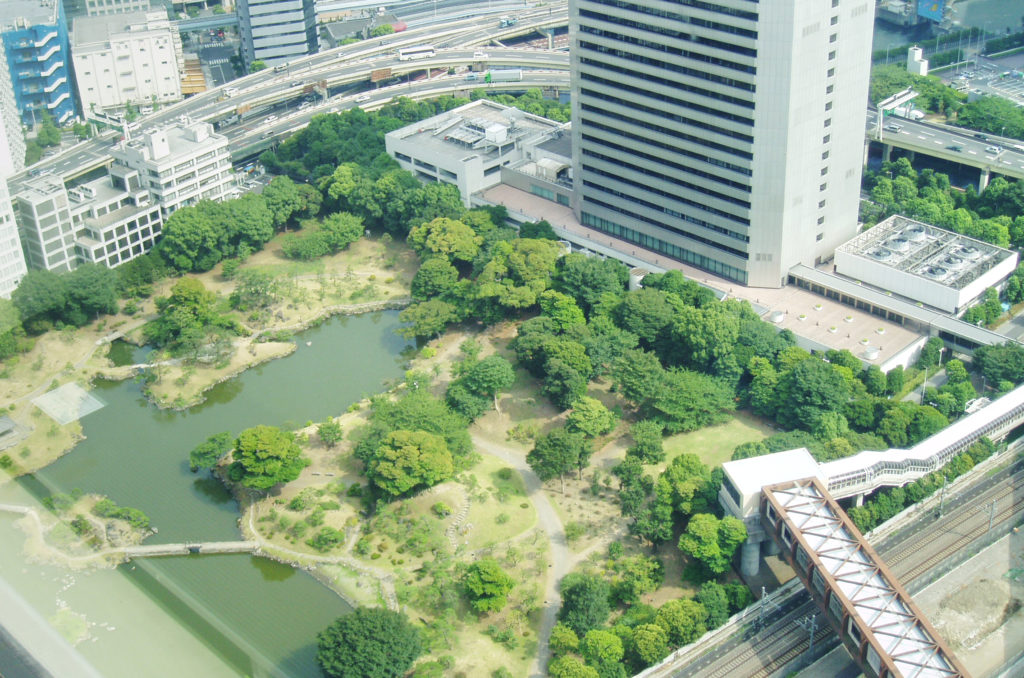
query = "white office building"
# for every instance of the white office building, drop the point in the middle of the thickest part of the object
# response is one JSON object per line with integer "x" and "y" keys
{"x": 106, "y": 221}
{"x": 108, "y": 7}
{"x": 126, "y": 58}
{"x": 277, "y": 31}
{"x": 12, "y": 259}
{"x": 180, "y": 164}
{"x": 726, "y": 134}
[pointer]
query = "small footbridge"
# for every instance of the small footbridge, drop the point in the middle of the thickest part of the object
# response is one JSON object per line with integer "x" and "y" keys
{"x": 189, "y": 548}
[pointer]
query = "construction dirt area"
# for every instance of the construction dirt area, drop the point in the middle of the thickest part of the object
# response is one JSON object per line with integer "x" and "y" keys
{"x": 977, "y": 607}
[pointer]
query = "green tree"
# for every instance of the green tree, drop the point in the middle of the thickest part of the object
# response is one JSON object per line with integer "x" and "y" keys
{"x": 590, "y": 417}
{"x": 40, "y": 294}
{"x": 874, "y": 380}
{"x": 688, "y": 479}
{"x": 562, "y": 309}
{"x": 683, "y": 621}
{"x": 647, "y": 441}
{"x": 812, "y": 387}
{"x": 330, "y": 432}
{"x": 257, "y": 65}
{"x": 558, "y": 452}
{"x": 956, "y": 372}
{"x": 435, "y": 278}
{"x": 584, "y": 602}
{"x": 563, "y": 383}
{"x": 490, "y": 376}
{"x": 368, "y": 643}
{"x": 538, "y": 230}
{"x": 650, "y": 643}
{"x": 192, "y": 240}
{"x": 487, "y": 585}
{"x": 445, "y": 237}
{"x": 638, "y": 375}
{"x": 635, "y": 576}
{"x": 589, "y": 279}
{"x": 1003, "y": 362}
{"x": 563, "y": 640}
{"x": 408, "y": 459}
{"x": 570, "y": 667}
{"x": 283, "y": 199}
{"x": 382, "y": 30}
{"x": 686, "y": 401}
{"x": 894, "y": 380}
{"x": 427, "y": 318}
{"x": 713, "y": 597}
{"x": 646, "y": 313}
{"x": 712, "y": 542}
{"x": 265, "y": 456}
{"x": 600, "y": 647}
{"x": 211, "y": 451}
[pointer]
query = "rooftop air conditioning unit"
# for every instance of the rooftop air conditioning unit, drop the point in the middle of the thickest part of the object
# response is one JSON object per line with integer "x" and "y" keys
{"x": 914, "y": 233}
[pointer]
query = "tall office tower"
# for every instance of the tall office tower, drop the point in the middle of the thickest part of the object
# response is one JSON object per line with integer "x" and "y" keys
{"x": 727, "y": 134}
{"x": 12, "y": 159}
{"x": 35, "y": 41}
{"x": 12, "y": 140}
{"x": 277, "y": 31}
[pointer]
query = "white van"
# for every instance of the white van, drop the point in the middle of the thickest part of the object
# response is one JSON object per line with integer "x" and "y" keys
{"x": 230, "y": 91}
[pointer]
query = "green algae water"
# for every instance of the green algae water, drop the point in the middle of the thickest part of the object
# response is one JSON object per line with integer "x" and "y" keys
{"x": 245, "y": 615}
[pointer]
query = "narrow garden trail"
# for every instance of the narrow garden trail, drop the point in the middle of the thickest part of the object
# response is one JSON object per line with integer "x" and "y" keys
{"x": 561, "y": 558}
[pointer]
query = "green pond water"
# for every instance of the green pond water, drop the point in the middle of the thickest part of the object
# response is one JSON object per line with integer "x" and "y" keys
{"x": 244, "y": 615}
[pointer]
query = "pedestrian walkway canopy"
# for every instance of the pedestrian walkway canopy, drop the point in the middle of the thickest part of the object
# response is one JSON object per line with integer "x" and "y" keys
{"x": 876, "y": 619}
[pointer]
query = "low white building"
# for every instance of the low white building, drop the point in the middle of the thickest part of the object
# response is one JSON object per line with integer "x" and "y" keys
{"x": 180, "y": 164}
{"x": 126, "y": 58}
{"x": 923, "y": 263}
{"x": 106, "y": 7}
{"x": 468, "y": 146}
{"x": 106, "y": 221}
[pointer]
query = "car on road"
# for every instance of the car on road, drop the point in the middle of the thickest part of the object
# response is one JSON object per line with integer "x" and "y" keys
{"x": 361, "y": 98}
{"x": 994, "y": 150}
{"x": 297, "y": 83}
{"x": 983, "y": 137}
{"x": 893, "y": 127}
{"x": 480, "y": 55}
{"x": 270, "y": 118}
{"x": 954, "y": 148}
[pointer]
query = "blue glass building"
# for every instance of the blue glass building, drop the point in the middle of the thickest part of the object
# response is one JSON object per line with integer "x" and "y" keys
{"x": 35, "y": 42}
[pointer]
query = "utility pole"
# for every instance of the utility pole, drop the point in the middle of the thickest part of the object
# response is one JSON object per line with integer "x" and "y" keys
{"x": 991, "y": 515}
{"x": 810, "y": 625}
{"x": 942, "y": 494}
{"x": 762, "y": 610}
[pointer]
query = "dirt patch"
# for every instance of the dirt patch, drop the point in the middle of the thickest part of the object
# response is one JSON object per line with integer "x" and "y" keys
{"x": 971, "y": 613}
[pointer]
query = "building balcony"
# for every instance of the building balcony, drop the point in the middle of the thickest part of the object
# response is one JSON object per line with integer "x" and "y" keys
{"x": 53, "y": 67}
{"x": 45, "y": 56}
{"x": 57, "y": 102}
{"x": 55, "y": 84}
{"x": 46, "y": 38}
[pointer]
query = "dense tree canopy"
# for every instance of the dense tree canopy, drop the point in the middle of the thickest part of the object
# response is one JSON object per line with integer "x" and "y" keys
{"x": 368, "y": 643}
{"x": 487, "y": 585}
{"x": 584, "y": 602}
{"x": 265, "y": 456}
{"x": 406, "y": 460}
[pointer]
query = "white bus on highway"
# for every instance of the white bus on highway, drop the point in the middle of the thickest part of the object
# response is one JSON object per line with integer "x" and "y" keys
{"x": 419, "y": 52}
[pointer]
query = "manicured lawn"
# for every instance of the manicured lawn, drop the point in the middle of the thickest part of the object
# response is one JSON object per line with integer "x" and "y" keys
{"x": 715, "y": 444}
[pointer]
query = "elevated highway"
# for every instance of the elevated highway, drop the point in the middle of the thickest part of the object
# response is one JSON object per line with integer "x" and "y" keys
{"x": 954, "y": 144}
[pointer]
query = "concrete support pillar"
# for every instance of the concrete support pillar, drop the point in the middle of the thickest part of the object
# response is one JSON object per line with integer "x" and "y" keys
{"x": 771, "y": 547}
{"x": 550, "y": 32}
{"x": 859, "y": 500}
{"x": 867, "y": 149}
{"x": 750, "y": 558}
{"x": 983, "y": 179}
{"x": 911, "y": 155}
{"x": 886, "y": 152}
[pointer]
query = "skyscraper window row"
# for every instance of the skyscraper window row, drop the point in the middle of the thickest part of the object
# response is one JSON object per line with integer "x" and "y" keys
{"x": 666, "y": 130}
{"x": 686, "y": 19}
{"x": 658, "y": 245}
{"x": 619, "y": 161}
{"x": 696, "y": 204}
{"x": 661, "y": 209}
{"x": 652, "y": 94}
{"x": 720, "y": 9}
{"x": 668, "y": 163}
{"x": 661, "y": 47}
{"x": 674, "y": 84}
{"x": 667, "y": 31}
{"x": 658, "y": 63}
{"x": 700, "y": 124}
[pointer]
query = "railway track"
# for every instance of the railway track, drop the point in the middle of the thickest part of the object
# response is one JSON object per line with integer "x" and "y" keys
{"x": 911, "y": 553}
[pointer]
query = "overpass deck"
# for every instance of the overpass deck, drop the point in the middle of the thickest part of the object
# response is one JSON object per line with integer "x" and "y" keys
{"x": 875, "y": 617}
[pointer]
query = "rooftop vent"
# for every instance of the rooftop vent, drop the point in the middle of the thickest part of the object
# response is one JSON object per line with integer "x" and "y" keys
{"x": 898, "y": 244}
{"x": 953, "y": 262}
{"x": 880, "y": 254}
{"x": 934, "y": 272}
{"x": 914, "y": 233}
{"x": 969, "y": 252}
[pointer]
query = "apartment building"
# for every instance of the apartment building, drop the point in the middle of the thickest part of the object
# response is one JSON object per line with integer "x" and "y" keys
{"x": 126, "y": 58}
{"x": 108, "y": 7}
{"x": 35, "y": 42}
{"x": 727, "y": 134}
{"x": 180, "y": 164}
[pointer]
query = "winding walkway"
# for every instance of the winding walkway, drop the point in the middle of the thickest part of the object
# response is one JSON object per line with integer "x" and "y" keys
{"x": 561, "y": 558}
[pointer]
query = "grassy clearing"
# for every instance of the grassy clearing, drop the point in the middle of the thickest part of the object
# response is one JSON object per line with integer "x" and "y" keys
{"x": 715, "y": 444}
{"x": 499, "y": 510}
